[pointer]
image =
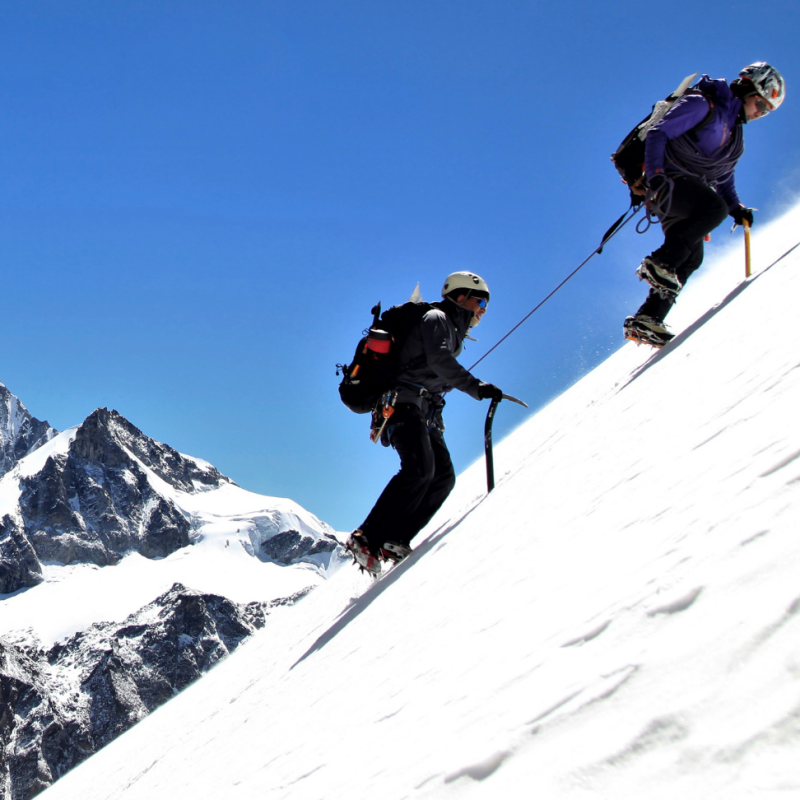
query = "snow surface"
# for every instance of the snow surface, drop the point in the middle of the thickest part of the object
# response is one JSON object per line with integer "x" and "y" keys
{"x": 620, "y": 618}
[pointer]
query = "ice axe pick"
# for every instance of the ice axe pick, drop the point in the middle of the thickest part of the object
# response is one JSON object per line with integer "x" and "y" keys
{"x": 487, "y": 437}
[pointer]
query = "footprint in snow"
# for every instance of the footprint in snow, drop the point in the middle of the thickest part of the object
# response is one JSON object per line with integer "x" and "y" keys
{"x": 681, "y": 604}
{"x": 480, "y": 771}
{"x": 589, "y": 635}
{"x": 784, "y": 462}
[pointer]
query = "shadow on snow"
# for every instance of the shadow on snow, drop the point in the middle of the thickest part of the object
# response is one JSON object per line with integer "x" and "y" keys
{"x": 363, "y": 602}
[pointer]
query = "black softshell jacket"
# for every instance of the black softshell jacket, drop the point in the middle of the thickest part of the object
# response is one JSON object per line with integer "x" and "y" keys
{"x": 440, "y": 338}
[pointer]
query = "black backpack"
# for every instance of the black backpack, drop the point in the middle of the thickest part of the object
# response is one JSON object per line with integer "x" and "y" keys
{"x": 376, "y": 363}
{"x": 629, "y": 156}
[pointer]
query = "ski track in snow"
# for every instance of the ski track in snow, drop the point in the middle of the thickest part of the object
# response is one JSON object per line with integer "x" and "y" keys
{"x": 619, "y": 619}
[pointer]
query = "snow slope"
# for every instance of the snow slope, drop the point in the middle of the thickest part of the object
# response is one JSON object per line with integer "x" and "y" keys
{"x": 619, "y": 619}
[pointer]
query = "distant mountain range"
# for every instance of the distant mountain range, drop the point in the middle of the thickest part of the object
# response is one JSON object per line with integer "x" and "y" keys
{"x": 92, "y": 495}
{"x": 96, "y": 492}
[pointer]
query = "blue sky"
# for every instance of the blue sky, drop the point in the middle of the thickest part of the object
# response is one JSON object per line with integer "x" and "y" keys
{"x": 200, "y": 202}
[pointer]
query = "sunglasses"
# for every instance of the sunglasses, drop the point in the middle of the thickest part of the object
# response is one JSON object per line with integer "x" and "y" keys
{"x": 480, "y": 301}
{"x": 762, "y": 106}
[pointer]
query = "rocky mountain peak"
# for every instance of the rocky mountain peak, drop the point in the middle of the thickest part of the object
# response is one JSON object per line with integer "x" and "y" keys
{"x": 107, "y": 437}
{"x": 105, "y": 489}
{"x": 20, "y": 433}
{"x": 99, "y": 498}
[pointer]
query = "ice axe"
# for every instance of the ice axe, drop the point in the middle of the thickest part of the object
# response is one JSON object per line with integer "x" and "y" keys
{"x": 487, "y": 437}
{"x": 746, "y": 226}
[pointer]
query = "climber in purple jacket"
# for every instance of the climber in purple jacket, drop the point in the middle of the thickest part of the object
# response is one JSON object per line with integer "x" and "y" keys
{"x": 690, "y": 158}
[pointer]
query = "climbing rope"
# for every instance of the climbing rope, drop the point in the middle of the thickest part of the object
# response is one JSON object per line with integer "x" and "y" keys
{"x": 609, "y": 234}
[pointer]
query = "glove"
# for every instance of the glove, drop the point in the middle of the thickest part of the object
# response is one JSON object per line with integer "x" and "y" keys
{"x": 741, "y": 215}
{"x": 489, "y": 391}
{"x": 656, "y": 183}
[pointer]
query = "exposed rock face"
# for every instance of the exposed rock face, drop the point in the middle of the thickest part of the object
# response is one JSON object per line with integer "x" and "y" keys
{"x": 20, "y": 433}
{"x": 57, "y": 707}
{"x": 290, "y": 546}
{"x": 107, "y": 438}
{"x": 110, "y": 492}
{"x": 19, "y": 566}
{"x": 95, "y": 502}
{"x": 106, "y": 489}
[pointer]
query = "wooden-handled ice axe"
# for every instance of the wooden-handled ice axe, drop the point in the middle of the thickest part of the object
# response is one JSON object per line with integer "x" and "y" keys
{"x": 487, "y": 437}
{"x": 746, "y": 226}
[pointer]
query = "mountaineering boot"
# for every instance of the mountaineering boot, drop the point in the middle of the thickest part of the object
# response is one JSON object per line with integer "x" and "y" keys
{"x": 645, "y": 330}
{"x": 660, "y": 277}
{"x": 394, "y": 551}
{"x": 358, "y": 547}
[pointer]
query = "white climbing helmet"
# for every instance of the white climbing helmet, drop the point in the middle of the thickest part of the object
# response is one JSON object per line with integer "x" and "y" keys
{"x": 768, "y": 81}
{"x": 473, "y": 285}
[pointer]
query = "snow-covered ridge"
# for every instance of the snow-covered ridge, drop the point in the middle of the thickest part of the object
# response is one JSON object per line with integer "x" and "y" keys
{"x": 72, "y": 699}
{"x": 620, "y": 618}
{"x": 20, "y": 433}
{"x": 104, "y": 494}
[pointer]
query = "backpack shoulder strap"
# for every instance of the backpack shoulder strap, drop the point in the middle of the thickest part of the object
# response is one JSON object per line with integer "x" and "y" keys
{"x": 711, "y": 113}
{"x": 405, "y": 319}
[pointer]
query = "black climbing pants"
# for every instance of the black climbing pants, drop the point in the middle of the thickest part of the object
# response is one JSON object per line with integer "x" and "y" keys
{"x": 696, "y": 209}
{"x": 425, "y": 479}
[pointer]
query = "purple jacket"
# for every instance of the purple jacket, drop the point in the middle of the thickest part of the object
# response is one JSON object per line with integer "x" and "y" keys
{"x": 714, "y": 140}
